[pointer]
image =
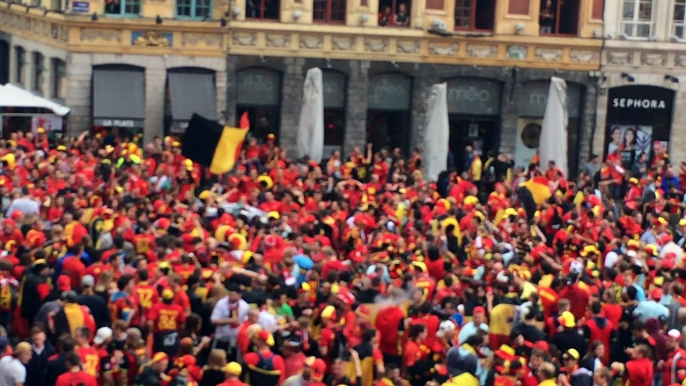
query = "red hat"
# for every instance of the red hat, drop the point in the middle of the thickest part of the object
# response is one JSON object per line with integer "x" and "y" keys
{"x": 479, "y": 310}
{"x": 356, "y": 256}
{"x": 64, "y": 283}
{"x": 668, "y": 263}
{"x": 656, "y": 293}
{"x": 363, "y": 311}
{"x": 541, "y": 345}
{"x": 10, "y": 223}
{"x": 318, "y": 370}
{"x": 17, "y": 215}
{"x": 346, "y": 297}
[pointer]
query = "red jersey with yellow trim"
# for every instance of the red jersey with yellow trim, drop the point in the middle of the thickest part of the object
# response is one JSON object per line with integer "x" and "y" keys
{"x": 147, "y": 295}
{"x": 166, "y": 317}
{"x": 90, "y": 359}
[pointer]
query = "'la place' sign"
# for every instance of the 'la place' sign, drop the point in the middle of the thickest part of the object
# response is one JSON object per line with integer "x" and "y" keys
{"x": 625, "y": 103}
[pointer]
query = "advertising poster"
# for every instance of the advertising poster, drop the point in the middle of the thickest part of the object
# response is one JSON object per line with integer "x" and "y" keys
{"x": 630, "y": 141}
{"x": 49, "y": 123}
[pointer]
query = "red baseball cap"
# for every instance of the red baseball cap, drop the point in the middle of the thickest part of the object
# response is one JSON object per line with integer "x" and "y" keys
{"x": 656, "y": 294}
{"x": 479, "y": 310}
{"x": 64, "y": 283}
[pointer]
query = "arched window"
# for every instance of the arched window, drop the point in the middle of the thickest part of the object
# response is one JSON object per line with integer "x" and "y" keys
{"x": 335, "y": 87}
{"x": 389, "y": 111}
{"x": 259, "y": 94}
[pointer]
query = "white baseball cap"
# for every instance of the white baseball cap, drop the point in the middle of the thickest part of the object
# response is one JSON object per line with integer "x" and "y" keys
{"x": 102, "y": 335}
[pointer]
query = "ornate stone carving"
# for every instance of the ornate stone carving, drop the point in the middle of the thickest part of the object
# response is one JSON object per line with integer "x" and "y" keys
{"x": 109, "y": 35}
{"x": 481, "y": 51}
{"x": 375, "y": 45}
{"x": 549, "y": 54}
{"x": 311, "y": 42}
{"x": 343, "y": 44}
{"x": 653, "y": 59}
{"x": 583, "y": 56}
{"x": 64, "y": 34}
{"x": 151, "y": 39}
{"x": 46, "y": 29}
{"x": 54, "y": 31}
{"x": 37, "y": 27}
{"x": 616, "y": 57}
{"x": 680, "y": 60}
{"x": 443, "y": 49}
{"x": 278, "y": 40}
{"x": 244, "y": 38}
{"x": 192, "y": 39}
{"x": 408, "y": 46}
{"x": 516, "y": 52}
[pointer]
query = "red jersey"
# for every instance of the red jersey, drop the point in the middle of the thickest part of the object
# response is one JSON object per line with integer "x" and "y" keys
{"x": 90, "y": 359}
{"x": 166, "y": 317}
{"x": 428, "y": 285}
{"x": 147, "y": 295}
{"x": 390, "y": 324}
{"x": 75, "y": 268}
{"x": 79, "y": 378}
{"x": 639, "y": 372}
{"x": 144, "y": 243}
{"x": 96, "y": 269}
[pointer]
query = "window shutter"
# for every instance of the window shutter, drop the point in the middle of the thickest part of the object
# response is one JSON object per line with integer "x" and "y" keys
{"x": 598, "y": 9}
{"x": 518, "y": 7}
{"x": 435, "y": 4}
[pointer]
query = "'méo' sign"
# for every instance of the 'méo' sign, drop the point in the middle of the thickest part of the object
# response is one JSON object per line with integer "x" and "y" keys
{"x": 471, "y": 96}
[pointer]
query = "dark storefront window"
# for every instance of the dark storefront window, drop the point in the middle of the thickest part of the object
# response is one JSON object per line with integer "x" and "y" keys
{"x": 59, "y": 76}
{"x": 559, "y": 17}
{"x": 118, "y": 100}
{"x": 474, "y": 116}
{"x": 531, "y": 109}
{"x": 639, "y": 120}
{"x": 388, "y": 111}
{"x": 4, "y": 62}
{"x": 329, "y": 11}
{"x": 334, "y": 111}
{"x": 20, "y": 64}
{"x": 474, "y": 15}
{"x": 38, "y": 68}
{"x": 259, "y": 93}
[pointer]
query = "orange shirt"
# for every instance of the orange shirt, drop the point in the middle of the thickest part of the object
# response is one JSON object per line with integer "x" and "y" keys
{"x": 147, "y": 295}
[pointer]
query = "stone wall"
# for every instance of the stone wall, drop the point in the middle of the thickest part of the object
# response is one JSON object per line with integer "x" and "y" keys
{"x": 358, "y": 73}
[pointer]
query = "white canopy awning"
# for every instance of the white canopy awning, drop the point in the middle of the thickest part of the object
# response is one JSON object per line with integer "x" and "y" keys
{"x": 14, "y": 96}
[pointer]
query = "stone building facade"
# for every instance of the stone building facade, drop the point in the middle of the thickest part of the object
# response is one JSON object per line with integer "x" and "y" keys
{"x": 130, "y": 73}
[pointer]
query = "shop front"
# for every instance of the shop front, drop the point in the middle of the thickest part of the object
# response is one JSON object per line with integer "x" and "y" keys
{"x": 639, "y": 121}
{"x": 474, "y": 116}
{"x": 118, "y": 100}
{"x": 189, "y": 91}
{"x": 335, "y": 86}
{"x": 258, "y": 92}
{"x": 531, "y": 109}
{"x": 389, "y": 111}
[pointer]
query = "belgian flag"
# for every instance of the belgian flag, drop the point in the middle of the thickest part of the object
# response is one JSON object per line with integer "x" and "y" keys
{"x": 212, "y": 145}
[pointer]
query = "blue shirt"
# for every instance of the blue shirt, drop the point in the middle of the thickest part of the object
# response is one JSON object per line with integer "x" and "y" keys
{"x": 650, "y": 309}
{"x": 470, "y": 329}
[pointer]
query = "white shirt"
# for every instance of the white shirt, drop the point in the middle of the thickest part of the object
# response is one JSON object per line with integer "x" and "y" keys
{"x": 611, "y": 259}
{"x": 221, "y": 311}
{"x": 11, "y": 371}
{"x": 267, "y": 321}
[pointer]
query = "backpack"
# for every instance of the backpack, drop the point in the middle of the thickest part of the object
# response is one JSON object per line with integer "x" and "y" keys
{"x": 180, "y": 380}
